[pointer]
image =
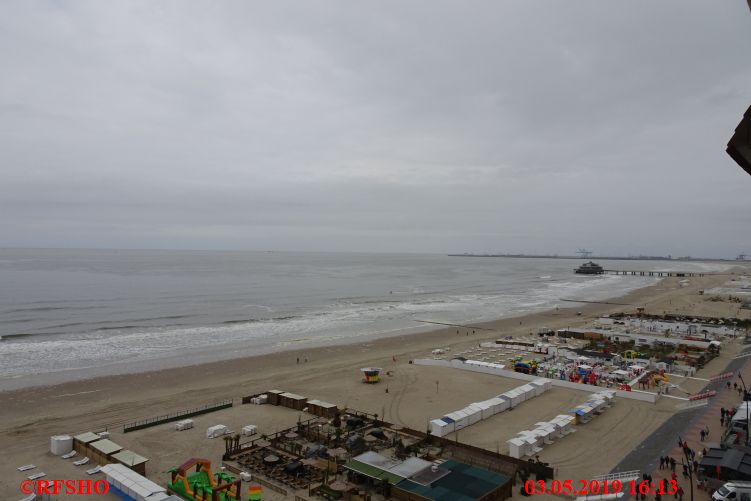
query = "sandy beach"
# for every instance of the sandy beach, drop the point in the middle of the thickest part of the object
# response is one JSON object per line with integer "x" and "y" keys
{"x": 415, "y": 394}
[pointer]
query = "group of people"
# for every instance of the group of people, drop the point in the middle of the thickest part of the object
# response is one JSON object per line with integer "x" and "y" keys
{"x": 726, "y": 414}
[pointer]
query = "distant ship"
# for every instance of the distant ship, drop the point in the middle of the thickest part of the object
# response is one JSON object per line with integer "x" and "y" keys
{"x": 590, "y": 268}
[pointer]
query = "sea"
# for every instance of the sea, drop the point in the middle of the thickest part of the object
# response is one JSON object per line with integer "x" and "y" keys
{"x": 70, "y": 314}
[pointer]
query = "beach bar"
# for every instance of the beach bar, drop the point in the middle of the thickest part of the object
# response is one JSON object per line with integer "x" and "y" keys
{"x": 274, "y": 396}
{"x": 322, "y": 409}
{"x": 292, "y": 401}
{"x": 132, "y": 460}
{"x": 101, "y": 451}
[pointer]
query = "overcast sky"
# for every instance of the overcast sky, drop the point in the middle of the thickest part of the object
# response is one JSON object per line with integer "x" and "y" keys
{"x": 417, "y": 126}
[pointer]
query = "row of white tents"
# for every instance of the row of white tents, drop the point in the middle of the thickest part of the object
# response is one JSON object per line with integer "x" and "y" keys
{"x": 529, "y": 442}
{"x": 482, "y": 410}
{"x": 133, "y": 485}
{"x": 594, "y": 405}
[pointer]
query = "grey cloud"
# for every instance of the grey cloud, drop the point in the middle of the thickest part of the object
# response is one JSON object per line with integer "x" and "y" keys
{"x": 420, "y": 126}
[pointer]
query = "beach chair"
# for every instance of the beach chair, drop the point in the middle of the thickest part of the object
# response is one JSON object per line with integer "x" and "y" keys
{"x": 68, "y": 455}
{"x": 36, "y": 475}
{"x": 93, "y": 470}
{"x": 81, "y": 462}
{"x": 26, "y": 467}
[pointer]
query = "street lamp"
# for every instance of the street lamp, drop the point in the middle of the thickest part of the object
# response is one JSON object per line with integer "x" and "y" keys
{"x": 744, "y": 403}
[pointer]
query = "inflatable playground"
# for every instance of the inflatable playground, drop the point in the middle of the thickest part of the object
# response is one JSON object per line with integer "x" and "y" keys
{"x": 200, "y": 485}
{"x": 526, "y": 366}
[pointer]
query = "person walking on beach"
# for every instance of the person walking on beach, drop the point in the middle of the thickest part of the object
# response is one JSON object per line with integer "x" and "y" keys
{"x": 672, "y": 466}
{"x": 679, "y": 493}
{"x": 662, "y": 462}
{"x": 701, "y": 435}
{"x": 722, "y": 412}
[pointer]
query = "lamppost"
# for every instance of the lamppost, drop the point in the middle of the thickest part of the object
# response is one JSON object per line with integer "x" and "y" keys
{"x": 744, "y": 403}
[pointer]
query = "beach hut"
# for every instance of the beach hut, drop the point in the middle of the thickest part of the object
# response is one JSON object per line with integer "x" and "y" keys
{"x": 598, "y": 405}
{"x": 486, "y": 407}
{"x": 322, "y": 409}
{"x": 81, "y": 442}
{"x": 450, "y": 425}
{"x": 460, "y": 418}
{"x": 539, "y": 387}
{"x": 534, "y": 441}
{"x": 565, "y": 421}
{"x": 250, "y": 429}
{"x": 504, "y": 403}
{"x": 439, "y": 428}
{"x": 132, "y": 460}
{"x": 529, "y": 391}
{"x": 556, "y": 431}
{"x": 582, "y": 414}
{"x": 292, "y": 401}
{"x": 515, "y": 398}
{"x": 274, "y": 396}
{"x": 473, "y": 412}
{"x": 101, "y": 451}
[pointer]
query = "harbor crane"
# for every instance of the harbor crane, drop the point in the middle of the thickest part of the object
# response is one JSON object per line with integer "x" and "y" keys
{"x": 741, "y": 257}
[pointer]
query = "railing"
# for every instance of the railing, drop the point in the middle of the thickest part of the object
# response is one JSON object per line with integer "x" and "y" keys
{"x": 149, "y": 422}
{"x": 620, "y": 475}
{"x": 693, "y": 404}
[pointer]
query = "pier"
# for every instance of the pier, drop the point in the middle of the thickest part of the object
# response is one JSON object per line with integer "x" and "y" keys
{"x": 656, "y": 273}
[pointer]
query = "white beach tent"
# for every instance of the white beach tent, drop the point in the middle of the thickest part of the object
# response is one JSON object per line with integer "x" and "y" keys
{"x": 563, "y": 421}
{"x": 450, "y": 425}
{"x": 185, "y": 424}
{"x": 515, "y": 396}
{"x": 539, "y": 387}
{"x": 250, "y": 429}
{"x": 460, "y": 418}
{"x": 131, "y": 483}
{"x": 216, "y": 431}
{"x": 507, "y": 402}
{"x": 518, "y": 448}
{"x": 557, "y": 429}
{"x": 597, "y": 405}
{"x": 529, "y": 391}
{"x": 439, "y": 428}
{"x": 499, "y": 404}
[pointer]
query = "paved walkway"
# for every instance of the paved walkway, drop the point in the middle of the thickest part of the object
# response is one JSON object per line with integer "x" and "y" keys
{"x": 686, "y": 425}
